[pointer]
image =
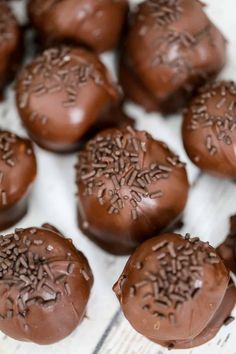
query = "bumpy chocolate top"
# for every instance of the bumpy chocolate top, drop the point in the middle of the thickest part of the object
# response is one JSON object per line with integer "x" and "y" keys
{"x": 17, "y": 168}
{"x": 180, "y": 47}
{"x": 94, "y": 23}
{"x": 10, "y": 40}
{"x": 136, "y": 185}
{"x": 171, "y": 287}
{"x": 44, "y": 285}
{"x": 209, "y": 129}
{"x": 61, "y": 94}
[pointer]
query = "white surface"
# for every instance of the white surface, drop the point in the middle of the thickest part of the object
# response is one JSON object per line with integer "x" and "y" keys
{"x": 210, "y": 204}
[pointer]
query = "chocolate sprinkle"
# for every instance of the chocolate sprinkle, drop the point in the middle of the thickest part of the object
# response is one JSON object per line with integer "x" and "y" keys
{"x": 48, "y": 66}
{"x": 173, "y": 285}
{"x": 31, "y": 273}
{"x": 120, "y": 157}
{"x": 223, "y": 118}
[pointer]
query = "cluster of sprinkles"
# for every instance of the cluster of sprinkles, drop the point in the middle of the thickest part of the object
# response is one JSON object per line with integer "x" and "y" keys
{"x": 165, "y": 12}
{"x": 32, "y": 274}
{"x": 7, "y": 148}
{"x": 178, "y": 277}
{"x": 160, "y": 55}
{"x": 7, "y": 22}
{"x": 181, "y": 65}
{"x": 111, "y": 163}
{"x": 56, "y": 70}
{"x": 222, "y": 121}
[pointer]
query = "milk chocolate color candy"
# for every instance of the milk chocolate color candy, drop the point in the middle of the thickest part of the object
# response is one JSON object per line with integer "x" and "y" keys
{"x": 114, "y": 117}
{"x": 10, "y": 44}
{"x": 130, "y": 187}
{"x": 171, "y": 48}
{"x": 227, "y": 250}
{"x": 96, "y": 24}
{"x": 209, "y": 129}
{"x": 61, "y": 94}
{"x": 45, "y": 284}
{"x": 17, "y": 173}
{"x": 176, "y": 291}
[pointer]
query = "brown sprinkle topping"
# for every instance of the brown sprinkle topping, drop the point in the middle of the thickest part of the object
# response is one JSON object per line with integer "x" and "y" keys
{"x": 114, "y": 162}
{"x": 178, "y": 277}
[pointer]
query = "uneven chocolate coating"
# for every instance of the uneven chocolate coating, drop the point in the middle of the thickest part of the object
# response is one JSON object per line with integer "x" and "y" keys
{"x": 171, "y": 48}
{"x": 61, "y": 94}
{"x": 17, "y": 173}
{"x": 10, "y": 44}
{"x": 221, "y": 317}
{"x": 96, "y": 24}
{"x": 130, "y": 187}
{"x": 134, "y": 90}
{"x": 227, "y": 250}
{"x": 45, "y": 284}
{"x": 209, "y": 129}
{"x": 114, "y": 117}
{"x": 172, "y": 291}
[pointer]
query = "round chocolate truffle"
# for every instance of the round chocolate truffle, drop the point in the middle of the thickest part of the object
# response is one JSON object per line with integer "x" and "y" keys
{"x": 180, "y": 49}
{"x": 209, "y": 129}
{"x": 227, "y": 250}
{"x": 61, "y": 94}
{"x": 96, "y": 24}
{"x": 10, "y": 44}
{"x": 45, "y": 284}
{"x": 176, "y": 291}
{"x": 130, "y": 187}
{"x": 17, "y": 173}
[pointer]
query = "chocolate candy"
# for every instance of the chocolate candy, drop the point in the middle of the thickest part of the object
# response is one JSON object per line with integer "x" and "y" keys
{"x": 17, "y": 174}
{"x": 45, "y": 284}
{"x": 209, "y": 129}
{"x": 114, "y": 117}
{"x": 11, "y": 44}
{"x": 130, "y": 187}
{"x": 96, "y": 24}
{"x": 227, "y": 250}
{"x": 61, "y": 94}
{"x": 176, "y": 291}
{"x": 171, "y": 48}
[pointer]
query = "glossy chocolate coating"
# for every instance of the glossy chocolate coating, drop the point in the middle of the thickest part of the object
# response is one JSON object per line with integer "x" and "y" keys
{"x": 171, "y": 48}
{"x": 172, "y": 289}
{"x": 114, "y": 117}
{"x": 130, "y": 187}
{"x": 17, "y": 173}
{"x": 96, "y": 24}
{"x": 45, "y": 284}
{"x": 209, "y": 129}
{"x": 10, "y": 44}
{"x": 134, "y": 90}
{"x": 227, "y": 250}
{"x": 220, "y": 318}
{"x": 61, "y": 94}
